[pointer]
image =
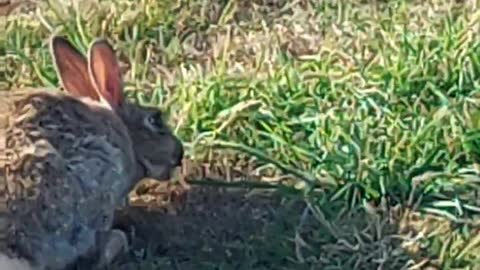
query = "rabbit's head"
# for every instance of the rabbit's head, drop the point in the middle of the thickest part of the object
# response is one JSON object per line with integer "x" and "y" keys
{"x": 157, "y": 150}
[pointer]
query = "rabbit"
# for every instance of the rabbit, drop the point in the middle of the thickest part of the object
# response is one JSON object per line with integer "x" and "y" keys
{"x": 72, "y": 156}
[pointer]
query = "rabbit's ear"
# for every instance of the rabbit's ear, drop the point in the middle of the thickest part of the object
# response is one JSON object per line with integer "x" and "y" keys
{"x": 72, "y": 68}
{"x": 105, "y": 72}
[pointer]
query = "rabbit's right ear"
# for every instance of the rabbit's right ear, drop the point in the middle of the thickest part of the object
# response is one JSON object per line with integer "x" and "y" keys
{"x": 72, "y": 68}
{"x": 105, "y": 72}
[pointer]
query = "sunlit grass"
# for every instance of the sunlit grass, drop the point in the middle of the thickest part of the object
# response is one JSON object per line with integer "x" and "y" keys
{"x": 374, "y": 104}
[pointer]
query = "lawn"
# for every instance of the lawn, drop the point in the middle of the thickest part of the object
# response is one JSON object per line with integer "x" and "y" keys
{"x": 319, "y": 134}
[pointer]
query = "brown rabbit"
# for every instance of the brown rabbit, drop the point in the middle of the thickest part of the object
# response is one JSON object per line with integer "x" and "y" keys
{"x": 71, "y": 158}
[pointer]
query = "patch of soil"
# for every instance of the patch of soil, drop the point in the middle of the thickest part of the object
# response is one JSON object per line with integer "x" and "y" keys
{"x": 8, "y": 6}
{"x": 210, "y": 224}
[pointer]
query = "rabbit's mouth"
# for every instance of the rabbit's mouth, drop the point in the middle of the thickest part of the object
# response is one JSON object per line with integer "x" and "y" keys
{"x": 159, "y": 172}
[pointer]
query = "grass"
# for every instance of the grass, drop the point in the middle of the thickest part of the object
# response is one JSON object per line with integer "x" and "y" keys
{"x": 363, "y": 117}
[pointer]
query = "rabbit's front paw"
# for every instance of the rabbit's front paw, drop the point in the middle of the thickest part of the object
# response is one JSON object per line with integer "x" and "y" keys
{"x": 110, "y": 244}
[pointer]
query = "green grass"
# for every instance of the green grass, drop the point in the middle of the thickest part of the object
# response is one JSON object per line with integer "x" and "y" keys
{"x": 361, "y": 107}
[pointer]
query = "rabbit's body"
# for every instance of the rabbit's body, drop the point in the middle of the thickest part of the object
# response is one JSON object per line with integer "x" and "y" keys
{"x": 62, "y": 156}
{"x": 70, "y": 161}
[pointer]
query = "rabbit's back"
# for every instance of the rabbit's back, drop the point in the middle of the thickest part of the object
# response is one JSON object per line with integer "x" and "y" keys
{"x": 66, "y": 169}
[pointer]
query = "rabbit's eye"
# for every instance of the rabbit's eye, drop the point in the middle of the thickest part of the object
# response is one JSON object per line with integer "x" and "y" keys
{"x": 154, "y": 121}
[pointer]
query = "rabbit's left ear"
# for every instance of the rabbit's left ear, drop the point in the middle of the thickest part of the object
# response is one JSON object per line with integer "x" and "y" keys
{"x": 105, "y": 72}
{"x": 72, "y": 68}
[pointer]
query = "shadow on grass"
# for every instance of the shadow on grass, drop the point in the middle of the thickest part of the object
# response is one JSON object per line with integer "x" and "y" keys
{"x": 220, "y": 228}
